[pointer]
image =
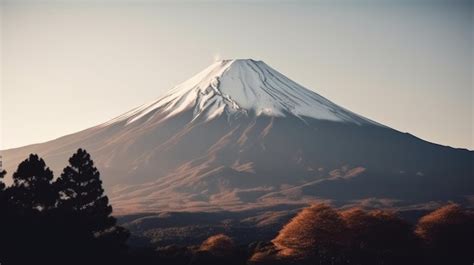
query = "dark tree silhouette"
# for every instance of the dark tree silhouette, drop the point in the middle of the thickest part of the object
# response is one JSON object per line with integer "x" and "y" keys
{"x": 2, "y": 175}
{"x": 5, "y": 222}
{"x": 82, "y": 200}
{"x": 32, "y": 189}
{"x": 80, "y": 191}
{"x": 26, "y": 214}
{"x": 448, "y": 235}
{"x": 64, "y": 222}
{"x": 3, "y": 197}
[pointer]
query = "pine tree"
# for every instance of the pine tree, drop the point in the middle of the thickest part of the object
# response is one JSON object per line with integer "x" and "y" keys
{"x": 27, "y": 214}
{"x": 32, "y": 187}
{"x": 81, "y": 196}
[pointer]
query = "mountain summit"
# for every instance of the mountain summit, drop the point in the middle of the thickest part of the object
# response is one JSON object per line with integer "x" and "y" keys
{"x": 240, "y": 135}
{"x": 244, "y": 87}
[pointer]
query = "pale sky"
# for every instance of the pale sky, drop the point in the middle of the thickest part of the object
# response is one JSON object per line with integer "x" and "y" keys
{"x": 69, "y": 65}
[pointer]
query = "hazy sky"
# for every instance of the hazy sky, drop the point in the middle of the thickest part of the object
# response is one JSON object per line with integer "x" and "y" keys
{"x": 70, "y": 65}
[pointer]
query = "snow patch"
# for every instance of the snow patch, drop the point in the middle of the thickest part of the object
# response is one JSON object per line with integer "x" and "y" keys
{"x": 243, "y": 86}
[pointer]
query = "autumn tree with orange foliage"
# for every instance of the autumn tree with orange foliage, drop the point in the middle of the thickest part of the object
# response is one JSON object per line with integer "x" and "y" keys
{"x": 448, "y": 235}
{"x": 316, "y": 234}
{"x": 218, "y": 249}
{"x": 218, "y": 245}
{"x": 322, "y": 235}
{"x": 379, "y": 237}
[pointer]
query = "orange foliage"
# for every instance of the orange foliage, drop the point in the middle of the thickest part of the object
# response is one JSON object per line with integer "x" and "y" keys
{"x": 378, "y": 223}
{"x": 379, "y": 235}
{"x": 448, "y": 235}
{"x": 318, "y": 226}
{"x": 320, "y": 233}
{"x": 218, "y": 245}
{"x": 440, "y": 219}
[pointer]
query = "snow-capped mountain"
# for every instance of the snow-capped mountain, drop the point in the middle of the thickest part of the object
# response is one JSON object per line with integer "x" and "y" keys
{"x": 244, "y": 87}
{"x": 241, "y": 135}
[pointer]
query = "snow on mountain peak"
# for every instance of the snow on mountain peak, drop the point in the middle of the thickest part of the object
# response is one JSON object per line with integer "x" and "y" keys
{"x": 244, "y": 86}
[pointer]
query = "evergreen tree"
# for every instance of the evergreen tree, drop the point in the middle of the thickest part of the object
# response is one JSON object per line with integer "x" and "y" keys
{"x": 72, "y": 216}
{"x": 81, "y": 197}
{"x": 32, "y": 187}
{"x": 27, "y": 219}
{"x": 5, "y": 222}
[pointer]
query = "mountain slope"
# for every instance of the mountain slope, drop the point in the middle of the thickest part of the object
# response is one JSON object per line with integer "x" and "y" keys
{"x": 240, "y": 135}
